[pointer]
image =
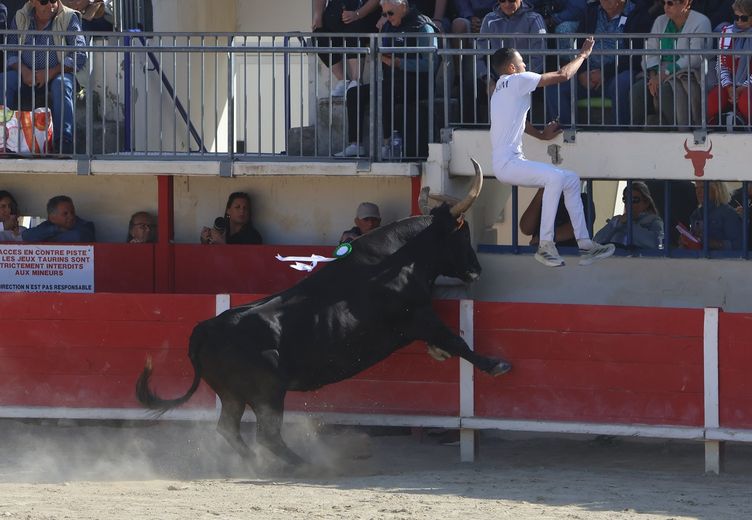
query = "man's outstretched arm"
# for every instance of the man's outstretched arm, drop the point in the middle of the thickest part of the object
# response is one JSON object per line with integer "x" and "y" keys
{"x": 570, "y": 69}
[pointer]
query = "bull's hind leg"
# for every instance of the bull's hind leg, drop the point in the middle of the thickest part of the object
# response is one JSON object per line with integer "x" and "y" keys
{"x": 229, "y": 424}
{"x": 269, "y": 412}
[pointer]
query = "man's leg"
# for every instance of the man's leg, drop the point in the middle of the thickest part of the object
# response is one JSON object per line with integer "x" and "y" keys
{"x": 61, "y": 93}
{"x": 9, "y": 82}
{"x": 553, "y": 180}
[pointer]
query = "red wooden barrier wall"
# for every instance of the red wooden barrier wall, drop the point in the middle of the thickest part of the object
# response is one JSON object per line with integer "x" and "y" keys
{"x": 75, "y": 350}
{"x": 592, "y": 363}
{"x": 734, "y": 368}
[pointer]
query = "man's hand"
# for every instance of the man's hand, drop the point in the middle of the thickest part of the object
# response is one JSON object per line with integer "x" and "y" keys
{"x": 596, "y": 79}
{"x": 583, "y": 79}
{"x": 349, "y": 16}
{"x": 587, "y": 47}
{"x": 741, "y": 93}
{"x": 27, "y": 76}
{"x": 475, "y": 24}
{"x": 551, "y": 130}
{"x": 653, "y": 85}
{"x": 40, "y": 78}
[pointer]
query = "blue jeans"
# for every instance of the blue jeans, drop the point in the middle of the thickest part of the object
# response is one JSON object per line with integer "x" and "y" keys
{"x": 621, "y": 82}
{"x": 60, "y": 94}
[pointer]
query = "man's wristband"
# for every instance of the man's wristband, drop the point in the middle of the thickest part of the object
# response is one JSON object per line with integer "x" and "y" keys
{"x": 582, "y": 56}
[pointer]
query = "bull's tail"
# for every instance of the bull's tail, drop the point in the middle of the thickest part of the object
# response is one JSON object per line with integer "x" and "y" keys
{"x": 151, "y": 400}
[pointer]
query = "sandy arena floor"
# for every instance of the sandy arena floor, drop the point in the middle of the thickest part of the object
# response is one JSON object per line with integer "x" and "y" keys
{"x": 168, "y": 470}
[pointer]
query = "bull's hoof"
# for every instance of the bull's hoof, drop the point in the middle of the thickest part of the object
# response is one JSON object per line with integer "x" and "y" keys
{"x": 502, "y": 367}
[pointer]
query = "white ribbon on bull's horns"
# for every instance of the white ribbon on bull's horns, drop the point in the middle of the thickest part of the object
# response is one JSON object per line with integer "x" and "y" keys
{"x": 458, "y": 206}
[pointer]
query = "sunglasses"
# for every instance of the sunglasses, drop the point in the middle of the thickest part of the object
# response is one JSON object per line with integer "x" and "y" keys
{"x": 670, "y": 3}
{"x": 741, "y": 17}
{"x": 505, "y": 1}
{"x": 143, "y": 226}
{"x": 45, "y": 2}
{"x": 635, "y": 200}
{"x": 387, "y": 13}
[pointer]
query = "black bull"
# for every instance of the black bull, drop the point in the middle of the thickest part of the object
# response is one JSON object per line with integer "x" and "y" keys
{"x": 342, "y": 319}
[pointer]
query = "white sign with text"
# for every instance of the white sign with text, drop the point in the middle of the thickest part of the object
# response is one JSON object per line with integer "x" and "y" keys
{"x": 43, "y": 268}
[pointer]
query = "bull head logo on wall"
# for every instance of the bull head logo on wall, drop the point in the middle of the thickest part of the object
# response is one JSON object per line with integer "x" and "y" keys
{"x": 698, "y": 158}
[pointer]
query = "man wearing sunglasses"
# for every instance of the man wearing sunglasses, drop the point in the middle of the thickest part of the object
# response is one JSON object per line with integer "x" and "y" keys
{"x": 53, "y": 72}
{"x": 510, "y": 103}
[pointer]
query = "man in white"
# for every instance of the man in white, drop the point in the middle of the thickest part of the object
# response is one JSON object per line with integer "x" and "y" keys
{"x": 510, "y": 103}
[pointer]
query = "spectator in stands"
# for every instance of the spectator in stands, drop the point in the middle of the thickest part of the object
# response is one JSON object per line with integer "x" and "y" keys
{"x": 349, "y": 17}
{"x": 404, "y": 76}
{"x": 682, "y": 200}
{"x": 235, "y": 226}
{"x": 563, "y": 230}
{"x": 734, "y": 73}
{"x": 367, "y": 218}
{"x": 10, "y": 231}
{"x": 437, "y": 10}
{"x": 738, "y": 203}
{"x": 142, "y": 228}
{"x": 96, "y": 15}
{"x": 673, "y": 80}
{"x": 561, "y": 16}
{"x": 723, "y": 228}
{"x": 470, "y": 14}
{"x": 647, "y": 225}
{"x": 62, "y": 224}
{"x": 508, "y": 17}
{"x": 719, "y": 12}
{"x": 607, "y": 76}
{"x": 41, "y": 68}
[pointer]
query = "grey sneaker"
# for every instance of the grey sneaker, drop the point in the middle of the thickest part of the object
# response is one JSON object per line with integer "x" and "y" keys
{"x": 598, "y": 251}
{"x": 548, "y": 255}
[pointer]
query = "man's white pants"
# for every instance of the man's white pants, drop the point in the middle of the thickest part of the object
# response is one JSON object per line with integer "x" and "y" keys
{"x": 554, "y": 180}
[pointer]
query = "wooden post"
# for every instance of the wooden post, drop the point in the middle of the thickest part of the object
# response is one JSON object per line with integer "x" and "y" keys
{"x": 164, "y": 253}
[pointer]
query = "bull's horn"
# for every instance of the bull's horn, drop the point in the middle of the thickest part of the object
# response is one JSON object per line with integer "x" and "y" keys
{"x": 463, "y": 205}
{"x": 710, "y": 149}
{"x": 423, "y": 200}
{"x": 685, "y": 146}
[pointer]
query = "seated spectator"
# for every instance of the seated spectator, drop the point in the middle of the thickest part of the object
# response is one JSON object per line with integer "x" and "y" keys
{"x": 405, "y": 77}
{"x": 348, "y": 17}
{"x": 235, "y": 226}
{"x": 10, "y": 231}
{"x": 96, "y": 15}
{"x": 142, "y": 228}
{"x": 563, "y": 230}
{"x": 62, "y": 224}
{"x": 738, "y": 203}
{"x": 672, "y": 80}
{"x": 732, "y": 93}
{"x": 723, "y": 228}
{"x": 470, "y": 14}
{"x": 606, "y": 75}
{"x": 435, "y": 9}
{"x": 561, "y": 16}
{"x": 367, "y": 218}
{"x": 682, "y": 201}
{"x": 719, "y": 12}
{"x": 39, "y": 67}
{"x": 512, "y": 17}
{"x": 647, "y": 225}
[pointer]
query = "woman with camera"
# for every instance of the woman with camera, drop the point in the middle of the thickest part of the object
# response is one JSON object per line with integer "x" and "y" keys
{"x": 235, "y": 227}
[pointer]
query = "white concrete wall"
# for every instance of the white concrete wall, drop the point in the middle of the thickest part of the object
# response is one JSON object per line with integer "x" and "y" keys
{"x": 652, "y": 282}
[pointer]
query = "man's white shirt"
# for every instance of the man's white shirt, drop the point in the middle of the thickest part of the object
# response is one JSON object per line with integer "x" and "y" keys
{"x": 510, "y": 102}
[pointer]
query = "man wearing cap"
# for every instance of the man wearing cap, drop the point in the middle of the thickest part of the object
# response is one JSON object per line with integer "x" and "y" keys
{"x": 367, "y": 218}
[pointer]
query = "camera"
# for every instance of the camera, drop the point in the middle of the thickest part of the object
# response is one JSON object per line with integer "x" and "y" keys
{"x": 220, "y": 224}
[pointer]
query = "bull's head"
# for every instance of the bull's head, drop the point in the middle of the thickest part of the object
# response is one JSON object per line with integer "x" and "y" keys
{"x": 698, "y": 158}
{"x": 457, "y": 258}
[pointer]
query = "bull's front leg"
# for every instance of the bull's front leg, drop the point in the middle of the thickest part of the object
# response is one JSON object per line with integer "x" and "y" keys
{"x": 428, "y": 327}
